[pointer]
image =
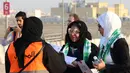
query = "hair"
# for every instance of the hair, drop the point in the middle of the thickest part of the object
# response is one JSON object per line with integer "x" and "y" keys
{"x": 21, "y": 14}
{"x": 76, "y": 17}
{"x": 84, "y": 33}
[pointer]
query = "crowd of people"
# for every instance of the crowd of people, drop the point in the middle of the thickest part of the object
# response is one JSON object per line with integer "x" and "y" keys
{"x": 29, "y": 53}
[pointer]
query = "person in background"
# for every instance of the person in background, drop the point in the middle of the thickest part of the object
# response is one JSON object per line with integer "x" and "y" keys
{"x": 114, "y": 51}
{"x": 31, "y": 54}
{"x": 73, "y": 17}
{"x": 12, "y": 33}
{"x": 78, "y": 46}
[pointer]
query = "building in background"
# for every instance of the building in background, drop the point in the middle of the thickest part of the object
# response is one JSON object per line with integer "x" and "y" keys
{"x": 121, "y": 10}
{"x": 89, "y": 10}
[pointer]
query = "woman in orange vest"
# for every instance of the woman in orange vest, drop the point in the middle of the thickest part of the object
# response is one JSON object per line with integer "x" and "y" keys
{"x": 30, "y": 54}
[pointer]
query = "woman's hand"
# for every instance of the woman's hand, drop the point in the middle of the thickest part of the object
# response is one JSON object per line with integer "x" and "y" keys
{"x": 100, "y": 66}
{"x": 75, "y": 63}
{"x": 17, "y": 29}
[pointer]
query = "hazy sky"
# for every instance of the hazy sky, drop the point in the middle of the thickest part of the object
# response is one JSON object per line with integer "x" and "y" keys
{"x": 45, "y": 5}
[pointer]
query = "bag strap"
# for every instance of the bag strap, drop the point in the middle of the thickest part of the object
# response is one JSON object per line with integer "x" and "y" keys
{"x": 31, "y": 59}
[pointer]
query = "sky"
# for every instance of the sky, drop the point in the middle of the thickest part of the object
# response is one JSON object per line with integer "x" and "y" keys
{"x": 46, "y": 5}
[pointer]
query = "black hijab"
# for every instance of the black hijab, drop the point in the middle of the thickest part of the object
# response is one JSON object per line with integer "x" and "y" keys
{"x": 31, "y": 32}
{"x": 84, "y": 33}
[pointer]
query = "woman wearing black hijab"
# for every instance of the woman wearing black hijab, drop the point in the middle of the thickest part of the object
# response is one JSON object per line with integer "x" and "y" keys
{"x": 77, "y": 45}
{"x": 24, "y": 49}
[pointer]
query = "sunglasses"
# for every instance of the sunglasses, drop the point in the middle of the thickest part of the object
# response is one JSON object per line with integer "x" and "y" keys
{"x": 73, "y": 30}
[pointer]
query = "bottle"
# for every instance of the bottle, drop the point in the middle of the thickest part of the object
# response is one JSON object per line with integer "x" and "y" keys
{"x": 96, "y": 60}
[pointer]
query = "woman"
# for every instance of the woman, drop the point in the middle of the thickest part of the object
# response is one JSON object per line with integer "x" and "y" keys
{"x": 72, "y": 17}
{"x": 114, "y": 52}
{"x": 78, "y": 46}
{"x": 31, "y": 54}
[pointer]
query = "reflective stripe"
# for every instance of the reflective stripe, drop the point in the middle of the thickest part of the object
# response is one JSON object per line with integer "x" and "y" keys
{"x": 41, "y": 71}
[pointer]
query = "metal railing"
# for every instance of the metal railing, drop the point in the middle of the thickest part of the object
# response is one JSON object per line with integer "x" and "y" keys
{"x": 53, "y": 37}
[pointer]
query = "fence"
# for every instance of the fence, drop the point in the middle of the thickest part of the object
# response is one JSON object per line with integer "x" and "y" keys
{"x": 57, "y": 39}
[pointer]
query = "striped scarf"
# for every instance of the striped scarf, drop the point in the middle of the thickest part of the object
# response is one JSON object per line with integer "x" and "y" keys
{"x": 86, "y": 49}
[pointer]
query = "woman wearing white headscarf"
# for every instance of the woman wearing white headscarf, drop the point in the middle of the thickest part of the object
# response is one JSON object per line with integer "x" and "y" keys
{"x": 114, "y": 52}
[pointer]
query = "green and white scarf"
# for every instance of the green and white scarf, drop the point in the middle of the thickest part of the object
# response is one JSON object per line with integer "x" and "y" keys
{"x": 106, "y": 51}
{"x": 86, "y": 49}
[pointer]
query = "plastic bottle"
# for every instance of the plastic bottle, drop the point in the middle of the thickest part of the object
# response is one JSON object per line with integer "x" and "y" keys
{"x": 96, "y": 60}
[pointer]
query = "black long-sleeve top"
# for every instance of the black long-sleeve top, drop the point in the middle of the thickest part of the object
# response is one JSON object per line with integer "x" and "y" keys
{"x": 79, "y": 56}
{"x": 120, "y": 56}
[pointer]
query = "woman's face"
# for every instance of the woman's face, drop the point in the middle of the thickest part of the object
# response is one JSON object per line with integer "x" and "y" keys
{"x": 74, "y": 33}
{"x": 71, "y": 19}
{"x": 100, "y": 29}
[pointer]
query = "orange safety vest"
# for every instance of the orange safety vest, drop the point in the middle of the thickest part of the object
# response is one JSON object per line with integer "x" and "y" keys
{"x": 35, "y": 66}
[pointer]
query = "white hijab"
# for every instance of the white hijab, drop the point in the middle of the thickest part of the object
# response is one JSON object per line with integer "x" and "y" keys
{"x": 109, "y": 22}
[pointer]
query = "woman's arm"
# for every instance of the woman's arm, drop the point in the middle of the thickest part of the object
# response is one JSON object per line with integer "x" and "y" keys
{"x": 94, "y": 52}
{"x": 52, "y": 60}
{"x": 120, "y": 52}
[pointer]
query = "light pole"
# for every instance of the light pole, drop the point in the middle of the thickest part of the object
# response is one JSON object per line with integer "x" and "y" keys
{"x": 120, "y": 9}
{"x": 86, "y": 15}
{"x": 98, "y": 1}
{"x": 6, "y": 20}
{"x": 75, "y": 7}
{"x": 120, "y": 1}
{"x": 62, "y": 19}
